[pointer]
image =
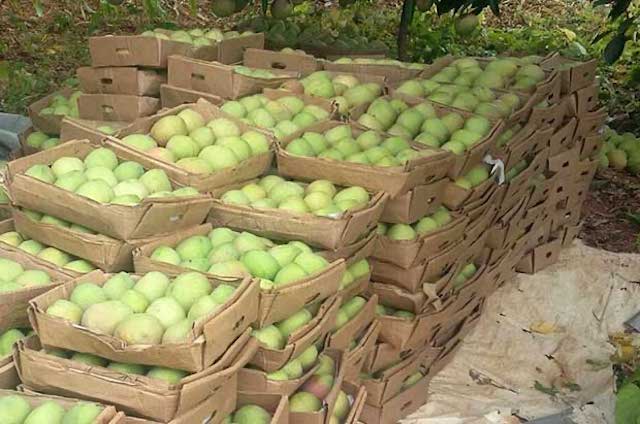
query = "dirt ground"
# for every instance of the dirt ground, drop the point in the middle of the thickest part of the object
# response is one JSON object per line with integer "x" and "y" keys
{"x": 611, "y": 212}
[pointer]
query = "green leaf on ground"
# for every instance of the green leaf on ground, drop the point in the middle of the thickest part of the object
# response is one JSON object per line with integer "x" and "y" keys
{"x": 551, "y": 391}
{"x": 627, "y": 405}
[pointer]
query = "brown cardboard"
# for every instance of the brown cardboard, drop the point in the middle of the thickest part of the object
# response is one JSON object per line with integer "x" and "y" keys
{"x": 8, "y": 375}
{"x": 410, "y": 253}
{"x": 109, "y": 415}
{"x": 121, "y": 80}
{"x": 395, "y": 181}
{"x": 84, "y": 129}
{"x": 392, "y": 73}
{"x": 136, "y": 395}
{"x": 409, "y": 207}
{"x": 328, "y": 403}
{"x": 563, "y": 139}
{"x": 122, "y": 222}
{"x": 353, "y": 253}
{"x": 174, "y": 96}
{"x": 577, "y": 76}
{"x": 210, "y": 337}
{"x": 438, "y": 292}
{"x": 476, "y": 228}
{"x": 569, "y": 234}
{"x": 590, "y": 124}
{"x": 398, "y": 298}
{"x": 254, "y": 380}
{"x": 356, "y": 357}
{"x": 9, "y": 225}
{"x": 13, "y": 304}
{"x": 317, "y": 329}
{"x": 276, "y": 405}
{"x": 305, "y": 64}
{"x": 232, "y": 50}
{"x": 412, "y": 278}
{"x": 138, "y": 50}
{"x": 106, "y": 253}
{"x": 324, "y": 232}
{"x": 413, "y": 333}
{"x": 540, "y": 257}
{"x": 342, "y": 338}
{"x": 49, "y": 124}
{"x": 586, "y": 99}
{"x": 388, "y": 382}
{"x": 279, "y": 303}
{"x": 245, "y": 170}
{"x": 563, "y": 162}
{"x": 116, "y": 107}
{"x": 590, "y": 146}
{"x": 220, "y": 80}
{"x": 398, "y": 407}
{"x": 552, "y": 115}
{"x": 455, "y": 196}
{"x": 357, "y": 396}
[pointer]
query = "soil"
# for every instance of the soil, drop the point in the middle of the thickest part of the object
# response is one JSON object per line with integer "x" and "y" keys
{"x": 611, "y": 212}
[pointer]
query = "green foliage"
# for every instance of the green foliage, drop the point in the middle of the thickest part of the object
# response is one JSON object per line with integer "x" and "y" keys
{"x": 627, "y": 401}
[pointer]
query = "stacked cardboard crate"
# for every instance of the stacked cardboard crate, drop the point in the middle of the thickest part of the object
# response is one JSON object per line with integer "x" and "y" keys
{"x": 371, "y": 309}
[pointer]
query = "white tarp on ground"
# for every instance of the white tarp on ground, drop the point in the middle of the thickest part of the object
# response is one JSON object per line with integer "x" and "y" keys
{"x": 551, "y": 327}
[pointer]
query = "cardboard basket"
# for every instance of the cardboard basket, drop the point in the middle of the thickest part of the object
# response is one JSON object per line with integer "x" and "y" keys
{"x": 540, "y": 257}
{"x": 121, "y": 80}
{"x": 329, "y": 402}
{"x": 412, "y": 278}
{"x": 116, "y": 107}
{"x": 245, "y": 170}
{"x": 49, "y": 124}
{"x": 317, "y": 329}
{"x": 219, "y": 79}
{"x": 470, "y": 158}
{"x": 8, "y": 225}
{"x": 323, "y": 232}
{"x": 353, "y": 253}
{"x": 573, "y": 75}
{"x": 150, "y": 218}
{"x": 109, "y": 415}
{"x": 409, "y": 207}
{"x": 388, "y": 383}
{"x": 402, "y": 405}
{"x": 549, "y": 89}
{"x": 455, "y": 197}
{"x": 342, "y": 337}
{"x": 392, "y": 73}
{"x": 254, "y": 380}
{"x": 410, "y": 253}
{"x": 143, "y": 51}
{"x": 173, "y": 96}
{"x": 398, "y": 298}
{"x": 304, "y": 64}
{"x": 275, "y": 304}
{"x": 86, "y": 129}
{"x": 139, "y": 395}
{"x": 276, "y": 405}
{"x": 208, "y": 340}
{"x": 355, "y": 358}
{"x": 106, "y": 253}
{"x": 13, "y": 304}
{"x": 394, "y": 181}
{"x": 8, "y": 375}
